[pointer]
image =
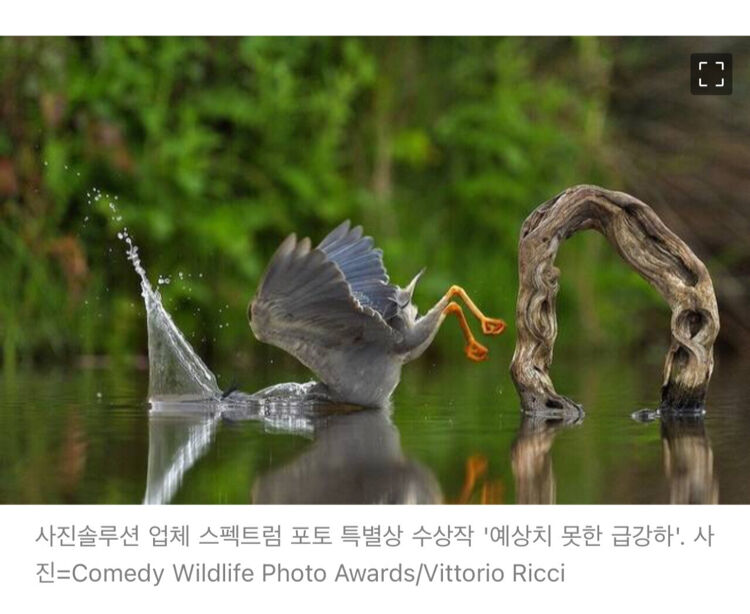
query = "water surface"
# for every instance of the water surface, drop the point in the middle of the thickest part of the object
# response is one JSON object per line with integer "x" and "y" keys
{"x": 454, "y": 434}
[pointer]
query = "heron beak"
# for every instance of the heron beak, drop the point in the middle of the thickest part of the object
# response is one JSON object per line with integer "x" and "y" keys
{"x": 404, "y": 295}
{"x": 413, "y": 283}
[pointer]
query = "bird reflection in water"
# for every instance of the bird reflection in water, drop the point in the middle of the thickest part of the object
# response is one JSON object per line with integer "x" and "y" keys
{"x": 355, "y": 456}
{"x": 477, "y": 486}
{"x": 688, "y": 460}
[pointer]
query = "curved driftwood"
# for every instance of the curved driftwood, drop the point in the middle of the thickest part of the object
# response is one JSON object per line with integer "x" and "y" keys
{"x": 644, "y": 242}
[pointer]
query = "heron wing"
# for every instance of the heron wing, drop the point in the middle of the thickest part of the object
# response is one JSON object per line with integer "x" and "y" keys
{"x": 362, "y": 266}
{"x": 304, "y": 304}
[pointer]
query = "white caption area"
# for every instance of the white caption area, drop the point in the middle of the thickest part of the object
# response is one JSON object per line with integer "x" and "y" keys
{"x": 669, "y": 568}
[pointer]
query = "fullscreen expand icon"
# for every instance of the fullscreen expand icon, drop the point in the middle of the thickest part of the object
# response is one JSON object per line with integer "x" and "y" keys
{"x": 711, "y": 74}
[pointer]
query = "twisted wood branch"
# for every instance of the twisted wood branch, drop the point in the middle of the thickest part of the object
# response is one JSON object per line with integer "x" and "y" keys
{"x": 659, "y": 256}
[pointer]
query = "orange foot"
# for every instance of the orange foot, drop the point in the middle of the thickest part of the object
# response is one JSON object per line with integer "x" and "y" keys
{"x": 492, "y": 326}
{"x": 476, "y": 351}
{"x": 492, "y": 492}
{"x": 476, "y": 466}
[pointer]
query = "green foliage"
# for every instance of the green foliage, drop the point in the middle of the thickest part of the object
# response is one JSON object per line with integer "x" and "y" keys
{"x": 213, "y": 149}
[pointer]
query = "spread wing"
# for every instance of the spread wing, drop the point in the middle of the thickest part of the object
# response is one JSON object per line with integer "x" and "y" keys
{"x": 362, "y": 267}
{"x": 305, "y": 306}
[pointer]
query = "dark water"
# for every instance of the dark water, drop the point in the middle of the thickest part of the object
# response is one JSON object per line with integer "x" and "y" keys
{"x": 454, "y": 434}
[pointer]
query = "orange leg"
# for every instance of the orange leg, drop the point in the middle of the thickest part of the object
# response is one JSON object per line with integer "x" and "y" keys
{"x": 492, "y": 492}
{"x": 490, "y": 326}
{"x": 476, "y": 466}
{"x": 474, "y": 350}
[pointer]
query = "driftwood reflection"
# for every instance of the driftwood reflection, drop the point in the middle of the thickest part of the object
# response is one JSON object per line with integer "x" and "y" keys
{"x": 355, "y": 455}
{"x": 687, "y": 453}
{"x": 688, "y": 460}
{"x": 530, "y": 456}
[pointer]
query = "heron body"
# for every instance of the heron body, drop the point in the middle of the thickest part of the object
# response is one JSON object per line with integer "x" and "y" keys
{"x": 334, "y": 309}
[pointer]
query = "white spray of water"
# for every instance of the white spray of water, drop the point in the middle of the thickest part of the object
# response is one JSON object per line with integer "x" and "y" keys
{"x": 176, "y": 372}
{"x": 186, "y": 401}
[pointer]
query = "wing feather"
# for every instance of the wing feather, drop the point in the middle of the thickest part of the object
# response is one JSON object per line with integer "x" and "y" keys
{"x": 304, "y": 304}
{"x": 362, "y": 266}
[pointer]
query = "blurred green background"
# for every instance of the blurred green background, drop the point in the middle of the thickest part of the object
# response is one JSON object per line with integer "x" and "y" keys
{"x": 216, "y": 148}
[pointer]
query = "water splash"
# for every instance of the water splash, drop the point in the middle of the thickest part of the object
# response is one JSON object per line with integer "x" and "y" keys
{"x": 175, "y": 444}
{"x": 187, "y": 404}
{"x": 176, "y": 372}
